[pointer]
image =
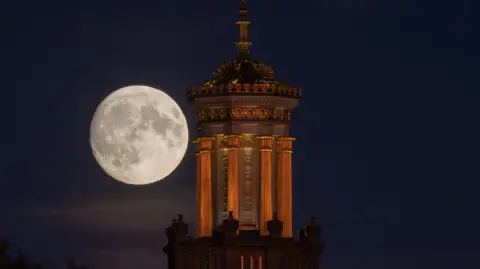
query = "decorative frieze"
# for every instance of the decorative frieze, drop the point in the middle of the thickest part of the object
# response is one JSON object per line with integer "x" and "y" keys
{"x": 243, "y": 113}
{"x": 212, "y": 89}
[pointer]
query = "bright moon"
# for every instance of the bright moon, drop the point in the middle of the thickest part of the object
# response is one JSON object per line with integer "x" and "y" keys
{"x": 138, "y": 135}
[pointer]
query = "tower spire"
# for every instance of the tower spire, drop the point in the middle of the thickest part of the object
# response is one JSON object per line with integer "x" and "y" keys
{"x": 243, "y": 44}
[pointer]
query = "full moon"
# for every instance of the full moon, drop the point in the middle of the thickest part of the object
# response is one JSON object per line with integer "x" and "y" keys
{"x": 138, "y": 135}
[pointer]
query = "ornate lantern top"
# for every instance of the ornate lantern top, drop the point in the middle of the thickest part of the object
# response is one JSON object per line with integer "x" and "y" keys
{"x": 243, "y": 75}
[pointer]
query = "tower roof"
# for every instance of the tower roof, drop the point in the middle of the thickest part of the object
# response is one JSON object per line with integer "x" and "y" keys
{"x": 243, "y": 70}
{"x": 244, "y": 75}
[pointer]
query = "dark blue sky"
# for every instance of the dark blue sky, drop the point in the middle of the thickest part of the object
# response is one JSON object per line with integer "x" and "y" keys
{"x": 387, "y": 149}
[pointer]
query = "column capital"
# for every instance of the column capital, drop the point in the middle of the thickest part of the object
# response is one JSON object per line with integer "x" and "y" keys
{"x": 232, "y": 135}
{"x": 204, "y": 144}
{"x": 285, "y": 138}
{"x": 284, "y": 145}
{"x": 233, "y": 141}
{"x": 266, "y": 143}
{"x": 203, "y": 138}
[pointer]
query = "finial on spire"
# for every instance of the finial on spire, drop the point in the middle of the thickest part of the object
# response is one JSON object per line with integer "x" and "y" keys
{"x": 243, "y": 44}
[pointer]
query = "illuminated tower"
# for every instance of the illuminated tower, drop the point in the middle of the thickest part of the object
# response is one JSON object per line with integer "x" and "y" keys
{"x": 244, "y": 171}
{"x": 244, "y": 146}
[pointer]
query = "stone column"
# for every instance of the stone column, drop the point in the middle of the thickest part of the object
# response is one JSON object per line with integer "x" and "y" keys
{"x": 198, "y": 188}
{"x": 284, "y": 146}
{"x": 266, "y": 211}
{"x": 204, "y": 186}
{"x": 233, "y": 143}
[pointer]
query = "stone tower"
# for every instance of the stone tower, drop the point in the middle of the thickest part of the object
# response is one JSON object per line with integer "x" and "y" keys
{"x": 244, "y": 146}
{"x": 244, "y": 172}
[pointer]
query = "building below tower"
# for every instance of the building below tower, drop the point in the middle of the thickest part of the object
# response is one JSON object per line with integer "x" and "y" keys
{"x": 244, "y": 173}
{"x": 231, "y": 248}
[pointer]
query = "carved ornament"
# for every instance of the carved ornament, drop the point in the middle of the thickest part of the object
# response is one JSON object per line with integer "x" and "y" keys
{"x": 243, "y": 113}
{"x": 238, "y": 88}
{"x": 247, "y": 141}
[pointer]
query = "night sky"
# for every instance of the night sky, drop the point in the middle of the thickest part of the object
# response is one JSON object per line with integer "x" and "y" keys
{"x": 387, "y": 150}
